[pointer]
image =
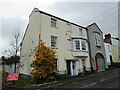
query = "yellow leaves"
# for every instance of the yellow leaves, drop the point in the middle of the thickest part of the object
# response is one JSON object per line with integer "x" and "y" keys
{"x": 43, "y": 64}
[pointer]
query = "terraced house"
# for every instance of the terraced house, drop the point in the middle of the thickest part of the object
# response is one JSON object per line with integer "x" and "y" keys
{"x": 96, "y": 48}
{"x": 69, "y": 39}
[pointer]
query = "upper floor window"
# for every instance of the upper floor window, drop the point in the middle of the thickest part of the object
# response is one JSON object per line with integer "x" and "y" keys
{"x": 97, "y": 39}
{"x": 80, "y": 31}
{"x": 79, "y": 45}
{"x": 83, "y": 44}
{"x": 53, "y": 22}
{"x": 53, "y": 41}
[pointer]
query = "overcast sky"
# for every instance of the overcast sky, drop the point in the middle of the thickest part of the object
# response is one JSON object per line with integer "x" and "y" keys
{"x": 15, "y": 14}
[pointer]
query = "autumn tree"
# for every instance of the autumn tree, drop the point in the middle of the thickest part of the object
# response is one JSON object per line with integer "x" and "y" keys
{"x": 44, "y": 63}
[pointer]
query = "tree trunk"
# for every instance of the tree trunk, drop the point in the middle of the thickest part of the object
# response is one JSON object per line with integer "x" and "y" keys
{"x": 3, "y": 67}
{"x": 15, "y": 68}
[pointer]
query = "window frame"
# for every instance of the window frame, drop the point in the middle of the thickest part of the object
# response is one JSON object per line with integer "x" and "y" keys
{"x": 74, "y": 45}
{"x": 54, "y": 41}
{"x": 83, "y": 48}
{"x": 53, "y": 22}
{"x": 97, "y": 39}
{"x": 80, "y": 40}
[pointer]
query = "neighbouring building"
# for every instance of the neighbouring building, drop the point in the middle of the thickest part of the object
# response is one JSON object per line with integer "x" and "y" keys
{"x": 107, "y": 44}
{"x": 10, "y": 68}
{"x": 115, "y": 50}
{"x": 69, "y": 39}
{"x": 96, "y": 46}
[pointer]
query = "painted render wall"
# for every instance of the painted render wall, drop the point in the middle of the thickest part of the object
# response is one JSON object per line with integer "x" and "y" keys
{"x": 40, "y": 24}
{"x": 27, "y": 48}
{"x": 115, "y": 53}
{"x": 94, "y": 50}
{"x": 108, "y": 52}
{"x": 115, "y": 50}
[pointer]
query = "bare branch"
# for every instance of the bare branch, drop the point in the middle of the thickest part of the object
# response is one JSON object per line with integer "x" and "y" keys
{"x": 14, "y": 45}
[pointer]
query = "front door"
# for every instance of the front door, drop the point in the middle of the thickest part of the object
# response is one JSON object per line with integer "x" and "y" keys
{"x": 73, "y": 68}
{"x": 111, "y": 61}
{"x": 100, "y": 64}
{"x": 100, "y": 61}
{"x": 68, "y": 63}
{"x": 83, "y": 65}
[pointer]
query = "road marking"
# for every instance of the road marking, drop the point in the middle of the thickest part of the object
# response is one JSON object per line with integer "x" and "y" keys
{"x": 74, "y": 83}
{"x": 89, "y": 85}
{"x": 102, "y": 80}
{"x": 93, "y": 83}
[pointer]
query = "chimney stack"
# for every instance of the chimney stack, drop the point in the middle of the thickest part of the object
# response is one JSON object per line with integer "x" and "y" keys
{"x": 108, "y": 38}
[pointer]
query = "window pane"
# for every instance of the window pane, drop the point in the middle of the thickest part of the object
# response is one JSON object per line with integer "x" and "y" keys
{"x": 53, "y": 41}
{"x": 53, "y": 22}
{"x": 97, "y": 39}
{"x": 77, "y": 44}
{"x": 83, "y": 45}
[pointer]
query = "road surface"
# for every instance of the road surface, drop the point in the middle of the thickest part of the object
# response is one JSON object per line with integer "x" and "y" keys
{"x": 107, "y": 79}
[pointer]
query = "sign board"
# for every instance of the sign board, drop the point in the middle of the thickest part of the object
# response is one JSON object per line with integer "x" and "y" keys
{"x": 13, "y": 76}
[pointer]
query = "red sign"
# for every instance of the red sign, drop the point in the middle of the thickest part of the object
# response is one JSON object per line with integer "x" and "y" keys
{"x": 13, "y": 76}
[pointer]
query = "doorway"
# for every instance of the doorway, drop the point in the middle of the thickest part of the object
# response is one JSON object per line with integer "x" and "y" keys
{"x": 71, "y": 67}
{"x": 111, "y": 61}
{"x": 68, "y": 67}
{"x": 100, "y": 65}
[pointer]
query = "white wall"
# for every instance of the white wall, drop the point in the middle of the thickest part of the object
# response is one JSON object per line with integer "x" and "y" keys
{"x": 108, "y": 52}
{"x": 10, "y": 68}
{"x": 40, "y": 24}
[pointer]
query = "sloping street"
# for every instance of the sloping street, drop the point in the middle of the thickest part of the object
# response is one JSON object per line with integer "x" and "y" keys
{"x": 107, "y": 79}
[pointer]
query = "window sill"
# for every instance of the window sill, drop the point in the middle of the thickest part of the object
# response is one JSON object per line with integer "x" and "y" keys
{"x": 54, "y": 27}
{"x": 81, "y": 34}
{"x": 98, "y": 46}
{"x": 79, "y": 51}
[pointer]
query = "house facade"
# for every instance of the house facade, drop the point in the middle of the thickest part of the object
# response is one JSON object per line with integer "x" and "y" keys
{"x": 109, "y": 56}
{"x": 10, "y": 68}
{"x": 108, "y": 50}
{"x": 69, "y": 39}
{"x": 96, "y": 48}
{"x": 115, "y": 50}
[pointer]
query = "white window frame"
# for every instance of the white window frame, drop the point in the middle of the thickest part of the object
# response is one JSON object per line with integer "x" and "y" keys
{"x": 53, "y": 41}
{"x": 97, "y": 39}
{"x": 84, "y": 48}
{"x": 74, "y": 45}
{"x": 53, "y": 22}
{"x": 80, "y": 45}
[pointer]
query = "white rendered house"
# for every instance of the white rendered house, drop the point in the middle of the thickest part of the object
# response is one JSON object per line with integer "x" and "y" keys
{"x": 69, "y": 39}
{"x": 108, "y": 53}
